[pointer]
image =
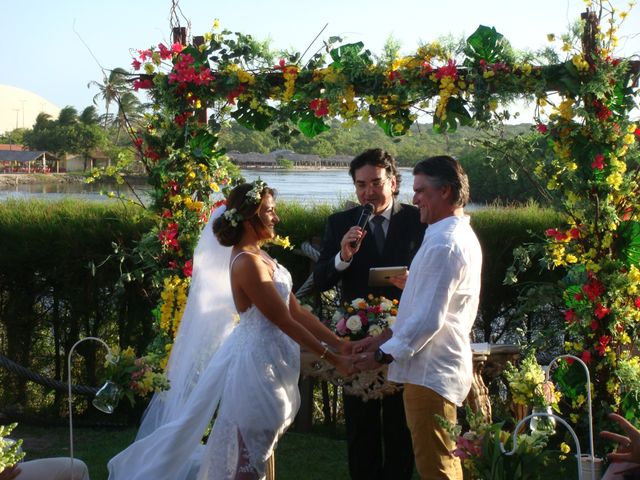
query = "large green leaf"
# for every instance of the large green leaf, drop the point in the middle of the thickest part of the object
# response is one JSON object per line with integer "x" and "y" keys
{"x": 456, "y": 114}
{"x": 309, "y": 124}
{"x": 485, "y": 44}
{"x": 350, "y": 54}
{"x": 394, "y": 125}
{"x": 628, "y": 243}
{"x": 253, "y": 119}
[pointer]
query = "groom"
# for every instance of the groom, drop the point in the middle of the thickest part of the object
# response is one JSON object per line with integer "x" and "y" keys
{"x": 378, "y": 440}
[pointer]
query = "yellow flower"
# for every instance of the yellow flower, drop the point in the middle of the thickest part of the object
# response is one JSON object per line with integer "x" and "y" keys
{"x": 564, "y": 448}
{"x": 629, "y": 139}
{"x": 216, "y": 24}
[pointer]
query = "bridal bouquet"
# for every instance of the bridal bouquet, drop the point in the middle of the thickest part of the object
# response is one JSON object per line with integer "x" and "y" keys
{"x": 364, "y": 317}
{"x": 135, "y": 376}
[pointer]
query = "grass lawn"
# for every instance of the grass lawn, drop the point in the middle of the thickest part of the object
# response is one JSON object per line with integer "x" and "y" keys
{"x": 307, "y": 456}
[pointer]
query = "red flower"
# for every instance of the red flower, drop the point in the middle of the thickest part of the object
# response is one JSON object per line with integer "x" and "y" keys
{"x": 594, "y": 288}
{"x": 136, "y": 64}
{"x": 602, "y": 344}
{"x": 142, "y": 83}
{"x": 177, "y": 47}
{"x": 594, "y": 325}
{"x": 542, "y": 128}
{"x": 574, "y": 233}
{"x": 165, "y": 53}
{"x": 636, "y": 302}
{"x": 187, "y": 270}
{"x": 320, "y": 107}
{"x": 166, "y": 213}
{"x": 586, "y": 356}
{"x": 554, "y": 232}
{"x": 137, "y": 142}
{"x": 598, "y": 162}
{"x": 168, "y": 236}
{"x": 578, "y": 297}
{"x": 144, "y": 54}
{"x": 426, "y": 69}
{"x": 601, "y": 311}
{"x": 172, "y": 264}
{"x": 570, "y": 316}
{"x": 449, "y": 70}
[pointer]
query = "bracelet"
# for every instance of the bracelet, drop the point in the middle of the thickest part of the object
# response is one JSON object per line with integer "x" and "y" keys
{"x": 324, "y": 353}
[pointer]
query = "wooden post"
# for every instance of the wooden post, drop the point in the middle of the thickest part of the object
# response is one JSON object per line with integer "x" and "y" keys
{"x": 179, "y": 35}
{"x": 589, "y": 35}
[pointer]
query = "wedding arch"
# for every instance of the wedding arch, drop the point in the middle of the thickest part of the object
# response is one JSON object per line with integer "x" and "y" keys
{"x": 588, "y": 152}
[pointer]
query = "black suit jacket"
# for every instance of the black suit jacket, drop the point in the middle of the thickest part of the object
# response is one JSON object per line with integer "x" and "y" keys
{"x": 402, "y": 242}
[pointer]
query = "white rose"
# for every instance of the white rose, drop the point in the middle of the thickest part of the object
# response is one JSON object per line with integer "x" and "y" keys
{"x": 386, "y": 305}
{"x": 336, "y": 316}
{"x": 354, "y": 323}
{"x": 391, "y": 320}
{"x": 355, "y": 303}
{"x": 375, "y": 330}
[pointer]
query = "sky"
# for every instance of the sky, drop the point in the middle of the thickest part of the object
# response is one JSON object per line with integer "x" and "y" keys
{"x": 57, "y": 48}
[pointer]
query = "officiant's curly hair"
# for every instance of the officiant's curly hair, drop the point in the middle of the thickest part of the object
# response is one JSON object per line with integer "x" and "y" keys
{"x": 228, "y": 229}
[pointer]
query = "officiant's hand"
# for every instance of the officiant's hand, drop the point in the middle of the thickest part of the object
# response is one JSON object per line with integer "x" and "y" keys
{"x": 354, "y": 234}
{"x": 629, "y": 448}
{"x": 399, "y": 281}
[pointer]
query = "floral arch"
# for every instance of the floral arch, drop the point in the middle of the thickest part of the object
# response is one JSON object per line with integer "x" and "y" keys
{"x": 588, "y": 162}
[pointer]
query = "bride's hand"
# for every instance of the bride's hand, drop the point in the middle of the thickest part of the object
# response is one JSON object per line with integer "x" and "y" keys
{"x": 345, "y": 366}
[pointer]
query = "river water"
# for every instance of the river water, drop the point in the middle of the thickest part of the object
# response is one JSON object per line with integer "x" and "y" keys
{"x": 327, "y": 186}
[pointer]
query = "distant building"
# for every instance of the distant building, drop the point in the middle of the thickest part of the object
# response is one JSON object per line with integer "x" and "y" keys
{"x": 25, "y": 161}
{"x": 19, "y": 108}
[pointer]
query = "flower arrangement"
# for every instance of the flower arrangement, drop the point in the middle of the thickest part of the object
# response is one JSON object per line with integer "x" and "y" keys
{"x": 10, "y": 452}
{"x": 135, "y": 376}
{"x": 480, "y": 450}
{"x": 528, "y": 384}
{"x": 364, "y": 317}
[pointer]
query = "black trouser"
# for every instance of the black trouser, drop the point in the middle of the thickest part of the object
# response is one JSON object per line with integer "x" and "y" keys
{"x": 378, "y": 439}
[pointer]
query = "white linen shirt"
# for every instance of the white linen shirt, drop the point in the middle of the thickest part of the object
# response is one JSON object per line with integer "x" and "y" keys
{"x": 430, "y": 343}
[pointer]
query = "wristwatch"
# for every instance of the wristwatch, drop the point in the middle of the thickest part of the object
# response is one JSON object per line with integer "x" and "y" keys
{"x": 381, "y": 357}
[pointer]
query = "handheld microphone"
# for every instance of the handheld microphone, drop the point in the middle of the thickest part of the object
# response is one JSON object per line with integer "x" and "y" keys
{"x": 367, "y": 210}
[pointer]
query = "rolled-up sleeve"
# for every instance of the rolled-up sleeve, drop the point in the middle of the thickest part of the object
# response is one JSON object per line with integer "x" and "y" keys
{"x": 432, "y": 282}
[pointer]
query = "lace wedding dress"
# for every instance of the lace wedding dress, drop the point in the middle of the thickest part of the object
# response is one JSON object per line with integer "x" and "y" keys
{"x": 250, "y": 386}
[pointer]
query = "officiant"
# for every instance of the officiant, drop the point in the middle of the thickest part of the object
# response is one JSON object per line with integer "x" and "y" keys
{"x": 378, "y": 440}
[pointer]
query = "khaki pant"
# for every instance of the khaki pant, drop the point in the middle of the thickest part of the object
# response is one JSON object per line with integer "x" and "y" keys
{"x": 52, "y": 469}
{"x": 431, "y": 443}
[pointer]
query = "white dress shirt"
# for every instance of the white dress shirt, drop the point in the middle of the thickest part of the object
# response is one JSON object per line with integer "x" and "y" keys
{"x": 430, "y": 343}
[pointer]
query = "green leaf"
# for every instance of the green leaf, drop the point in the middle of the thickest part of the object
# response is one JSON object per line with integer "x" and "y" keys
{"x": 396, "y": 125}
{"x": 309, "y": 124}
{"x": 456, "y": 114}
{"x": 348, "y": 54}
{"x": 628, "y": 243}
{"x": 253, "y": 119}
{"x": 485, "y": 44}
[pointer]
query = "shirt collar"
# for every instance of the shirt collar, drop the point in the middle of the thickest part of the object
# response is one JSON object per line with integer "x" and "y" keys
{"x": 386, "y": 213}
{"x": 440, "y": 225}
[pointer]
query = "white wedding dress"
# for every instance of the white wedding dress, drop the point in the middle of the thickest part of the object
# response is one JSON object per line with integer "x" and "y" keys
{"x": 250, "y": 385}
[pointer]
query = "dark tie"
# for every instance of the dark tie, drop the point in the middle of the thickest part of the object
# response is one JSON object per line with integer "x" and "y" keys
{"x": 378, "y": 232}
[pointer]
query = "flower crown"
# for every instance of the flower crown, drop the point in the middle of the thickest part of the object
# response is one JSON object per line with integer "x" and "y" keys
{"x": 254, "y": 196}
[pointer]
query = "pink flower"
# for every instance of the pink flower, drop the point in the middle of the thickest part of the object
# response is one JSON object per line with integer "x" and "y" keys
{"x": 187, "y": 270}
{"x": 542, "y": 128}
{"x": 341, "y": 326}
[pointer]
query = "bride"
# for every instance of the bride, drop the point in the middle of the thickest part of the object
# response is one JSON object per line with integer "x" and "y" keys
{"x": 242, "y": 373}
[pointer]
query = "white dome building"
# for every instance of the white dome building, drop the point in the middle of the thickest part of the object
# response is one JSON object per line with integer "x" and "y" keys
{"x": 19, "y": 108}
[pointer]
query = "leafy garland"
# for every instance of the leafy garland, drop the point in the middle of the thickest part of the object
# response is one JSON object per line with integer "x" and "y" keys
{"x": 588, "y": 145}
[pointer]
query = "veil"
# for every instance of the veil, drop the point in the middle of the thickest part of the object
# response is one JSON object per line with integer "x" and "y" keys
{"x": 207, "y": 321}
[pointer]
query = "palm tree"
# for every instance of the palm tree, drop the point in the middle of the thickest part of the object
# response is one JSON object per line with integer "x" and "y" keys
{"x": 68, "y": 116}
{"x": 111, "y": 89}
{"x": 129, "y": 111}
{"x": 89, "y": 116}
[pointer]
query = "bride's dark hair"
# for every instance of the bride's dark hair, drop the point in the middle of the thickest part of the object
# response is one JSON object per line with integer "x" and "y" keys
{"x": 241, "y": 205}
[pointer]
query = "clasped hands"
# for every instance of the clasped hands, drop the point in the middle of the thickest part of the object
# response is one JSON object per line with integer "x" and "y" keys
{"x": 357, "y": 356}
